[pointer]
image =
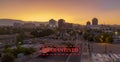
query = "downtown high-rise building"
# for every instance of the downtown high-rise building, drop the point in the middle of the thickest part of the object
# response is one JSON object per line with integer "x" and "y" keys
{"x": 94, "y": 21}
{"x": 88, "y": 24}
{"x": 61, "y": 23}
{"x": 52, "y": 23}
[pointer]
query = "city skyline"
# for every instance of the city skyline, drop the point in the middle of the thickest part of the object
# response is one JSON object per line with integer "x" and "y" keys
{"x": 77, "y": 11}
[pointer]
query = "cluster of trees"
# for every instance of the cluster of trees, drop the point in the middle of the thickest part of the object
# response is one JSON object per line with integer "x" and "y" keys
{"x": 100, "y": 36}
{"x": 118, "y": 32}
{"x": 68, "y": 44}
{"x": 72, "y": 32}
{"x": 104, "y": 38}
{"x": 10, "y": 54}
{"x": 19, "y": 49}
{"x": 42, "y": 33}
{"x": 20, "y": 37}
{"x": 8, "y": 57}
{"x": 4, "y": 31}
{"x": 8, "y": 30}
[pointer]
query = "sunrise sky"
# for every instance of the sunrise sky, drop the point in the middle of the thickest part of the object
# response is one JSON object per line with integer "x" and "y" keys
{"x": 74, "y": 11}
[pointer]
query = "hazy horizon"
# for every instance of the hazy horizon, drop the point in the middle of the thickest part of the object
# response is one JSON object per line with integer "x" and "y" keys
{"x": 73, "y": 11}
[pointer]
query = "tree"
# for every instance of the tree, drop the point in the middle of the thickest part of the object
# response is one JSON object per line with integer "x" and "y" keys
{"x": 105, "y": 38}
{"x": 28, "y": 51}
{"x": 109, "y": 39}
{"x": 8, "y": 57}
{"x": 68, "y": 44}
{"x": 4, "y": 31}
{"x": 42, "y": 33}
{"x": 20, "y": 38}
{"x": 88, "y": 36}
{"x": 25, "y": 51}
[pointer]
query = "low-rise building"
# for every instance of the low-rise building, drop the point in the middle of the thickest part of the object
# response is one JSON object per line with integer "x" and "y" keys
{"x": 28, "y": 25}
{"x": 7, "y": 39}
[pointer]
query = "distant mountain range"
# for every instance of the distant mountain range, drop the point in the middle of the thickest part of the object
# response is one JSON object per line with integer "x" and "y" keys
{"x": 10, "y": 22}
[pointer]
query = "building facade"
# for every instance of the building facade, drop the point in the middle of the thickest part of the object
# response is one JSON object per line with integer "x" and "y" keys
{"x": 7, "y": 39}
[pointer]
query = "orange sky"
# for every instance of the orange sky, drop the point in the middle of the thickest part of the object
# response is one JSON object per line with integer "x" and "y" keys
{"x": 75, "y": 11}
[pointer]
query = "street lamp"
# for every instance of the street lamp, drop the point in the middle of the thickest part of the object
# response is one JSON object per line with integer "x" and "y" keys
{"x": 19, "y": 43}
{"x": 102, "y": 38}
{"x": 116, "y": 33}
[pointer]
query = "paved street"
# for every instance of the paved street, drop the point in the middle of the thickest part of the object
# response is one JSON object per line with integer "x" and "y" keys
{"x": 105, "y": 48}
{"x": 57, "y": 58}
{"x": 75, "y": 59}
{"x": 71, "y": 58}
{"x": 49, "y": 59}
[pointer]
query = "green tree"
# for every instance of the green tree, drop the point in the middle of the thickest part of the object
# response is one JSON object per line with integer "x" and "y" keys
{"x": 20, "y": 38}
{"x": 25, "y": 51}
{"x": 105, "y": 38}
{"x": 4, "y": 31}
{"x": 42, "y": 33}
{"x": 8, "y": 57}
{"x": 87, "y": 36}
{"x": 28, "y": 51}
